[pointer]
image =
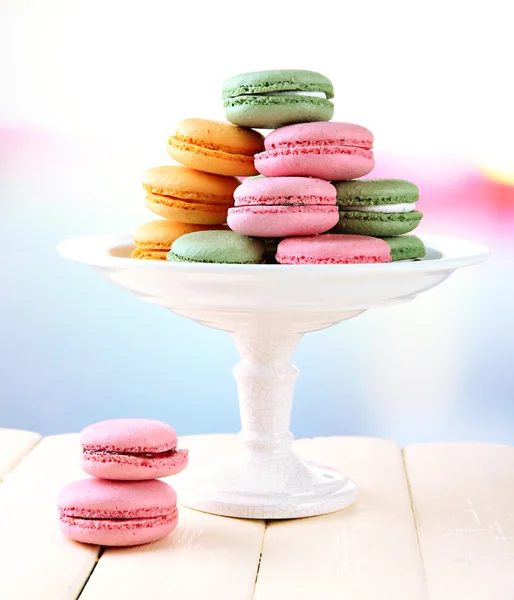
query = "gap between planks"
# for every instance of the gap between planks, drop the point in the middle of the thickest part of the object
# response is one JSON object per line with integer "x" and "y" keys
{"x": 15, "y": 444}
{"x": 364, "y": 552}
{"x": 463, "y": 499}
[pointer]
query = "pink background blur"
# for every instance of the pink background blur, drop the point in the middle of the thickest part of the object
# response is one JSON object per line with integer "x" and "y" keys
{"x": 91, "y": 93}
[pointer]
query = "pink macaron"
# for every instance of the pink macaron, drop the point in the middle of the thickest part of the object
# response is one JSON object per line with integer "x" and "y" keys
{"x": 131, "y": 449}
{"x": 283, "y": 207}
{"x": 328, "y": 150}
{"x": 117, "y": 513}
{"x": 332, "y": 249}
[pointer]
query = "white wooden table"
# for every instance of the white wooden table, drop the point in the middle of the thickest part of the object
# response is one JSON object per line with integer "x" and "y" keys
{"x": 435, "y": 521}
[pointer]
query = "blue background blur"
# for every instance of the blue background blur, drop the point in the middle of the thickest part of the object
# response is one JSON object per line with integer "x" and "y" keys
{"x": 86, "y": 110}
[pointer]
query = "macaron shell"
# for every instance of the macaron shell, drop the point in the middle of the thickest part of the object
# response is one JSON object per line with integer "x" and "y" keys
{"x": 277, "y": 80}
{"x": 227, "y": 247}
{"x": 117, "y": 513}
{"x": 372, "y": 192}
{"x": 102, "y": 499}
{"x": 405, "y": 247}
{"x": 282, "y": 221}
{"x": 153, "y": 240}
{"x": 126, "y": 467}
{"x": 211, "y": 161}
{"x": 377, "y": 224}
{"x": 325, "y": 163}
{"x": 117, "y": 533}
{"x": 160, "y": 234}
{"x": 130, "y": 435}
{"x": 284, "y": 190}
{"x": 189, "y": 184}
{"x": 176, "y": 209}
{"x": 319, "y": 134}
{"x": 215, "y": 147}
{"x": 147, "y": 254}
{"x": 270, "y": 112}
{"x": 328, "y": 150}
{"x": 219, "y": 135}
{"x": 333, "y": 249}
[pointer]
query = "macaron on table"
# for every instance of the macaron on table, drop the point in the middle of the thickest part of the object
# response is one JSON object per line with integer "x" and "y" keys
{"x": 117, "y": 513}
{"x": 123, "y": 503}
{"x": 131, "y": 450}
{"x": 342, "y": 248}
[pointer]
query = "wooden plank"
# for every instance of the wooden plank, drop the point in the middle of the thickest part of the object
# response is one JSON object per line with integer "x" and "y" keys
{"x": 14, "y": 445}
{"x": 37, "y": 560}
{"x": 463, "y": 497}
{"x": 364, "y": 552}
{"x": 205, "y": 557}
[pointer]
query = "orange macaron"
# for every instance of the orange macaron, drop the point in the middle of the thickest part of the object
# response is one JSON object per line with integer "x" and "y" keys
{"x": 153, "y": 240}
{"x": 215, "y": 147}
{"x": 181, "y": 194}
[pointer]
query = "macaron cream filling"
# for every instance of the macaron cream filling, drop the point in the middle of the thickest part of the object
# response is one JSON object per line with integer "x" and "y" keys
{"x": 307, "y": 200}
{"x": 321, "y": 143}
{"x": 115, "y": 522}
{"x": 288, "y": 93}
{"x": 381, "y": 208}
{"x": 103, "y": 451}
{"x": 183, "y": 141}
{"x": 143, "y": 514}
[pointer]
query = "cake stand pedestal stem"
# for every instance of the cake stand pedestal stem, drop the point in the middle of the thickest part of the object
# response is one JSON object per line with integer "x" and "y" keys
{"x": 263, "y": 478}
{"x": 265, "y": 381}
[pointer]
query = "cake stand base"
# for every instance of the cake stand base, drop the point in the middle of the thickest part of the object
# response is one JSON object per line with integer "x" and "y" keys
{"x": 281, "y": 487}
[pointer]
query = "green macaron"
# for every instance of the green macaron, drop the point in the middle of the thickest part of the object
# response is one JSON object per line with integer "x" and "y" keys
{"x": 405, "y": 247}
{"x": 271, "y": 99}
{"x": 377, "y": 207}
{"x": 212, "y": 246}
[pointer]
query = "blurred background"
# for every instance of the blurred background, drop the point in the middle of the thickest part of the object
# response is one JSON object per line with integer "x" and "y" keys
{"x": 90, "y": 93}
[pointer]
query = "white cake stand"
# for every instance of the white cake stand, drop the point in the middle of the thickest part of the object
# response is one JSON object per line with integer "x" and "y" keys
{"x": 266, "y": 309}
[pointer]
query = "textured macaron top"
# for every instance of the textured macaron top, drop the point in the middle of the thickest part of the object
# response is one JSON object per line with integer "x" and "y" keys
{"x": 284, "y": 191}
{"x": 265, "y": 82}
{"x": 102, "y": 498}
{"x": 136, "y": 436}
{"x": 333, "y": 248}
{"x": 189, "y": 184}
{"x": 375, "y": 191}
{"x": 219, "y": 135}
{"x": 217, "y": 247}
{"x": 321, "y": 133}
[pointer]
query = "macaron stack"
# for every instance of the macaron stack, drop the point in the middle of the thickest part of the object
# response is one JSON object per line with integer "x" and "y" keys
{"x": 302, "y": 181}
{"x": 195, "y": 197}
{"x": 123, "y": 503}
{"x": 306, "y": 162}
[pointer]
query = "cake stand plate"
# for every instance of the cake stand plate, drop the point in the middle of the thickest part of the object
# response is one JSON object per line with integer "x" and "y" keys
{"x": 266, "y": 309}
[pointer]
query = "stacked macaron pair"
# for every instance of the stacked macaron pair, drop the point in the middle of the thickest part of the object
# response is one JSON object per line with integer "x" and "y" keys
{"x": 123, "y": 503}
{"x": 311, "y": 168}
{"x": 195, "y": 195}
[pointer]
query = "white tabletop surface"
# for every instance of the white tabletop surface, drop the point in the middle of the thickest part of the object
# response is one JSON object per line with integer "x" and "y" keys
{"x": 432, "y": 522}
